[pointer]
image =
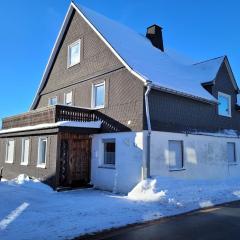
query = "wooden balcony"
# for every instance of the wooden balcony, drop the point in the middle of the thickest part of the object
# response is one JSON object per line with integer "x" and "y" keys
{"x": 57, "y": 113}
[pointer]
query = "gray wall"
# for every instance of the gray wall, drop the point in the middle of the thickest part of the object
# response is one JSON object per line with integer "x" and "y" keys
{"x": 13, "y": 170}
{"x": 176, "y": 114}
{"x": 124, "y": 92}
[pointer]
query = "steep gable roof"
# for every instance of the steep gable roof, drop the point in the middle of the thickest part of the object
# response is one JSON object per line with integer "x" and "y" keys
{"x": 213, "y": 65}
{"x": 143, "y": 60}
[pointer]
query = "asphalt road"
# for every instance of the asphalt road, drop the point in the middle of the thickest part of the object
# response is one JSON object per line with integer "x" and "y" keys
{"x": 222, "y": 222}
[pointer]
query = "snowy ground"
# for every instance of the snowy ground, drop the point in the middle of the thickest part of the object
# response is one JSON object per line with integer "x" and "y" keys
{"x": 31, "y": 210}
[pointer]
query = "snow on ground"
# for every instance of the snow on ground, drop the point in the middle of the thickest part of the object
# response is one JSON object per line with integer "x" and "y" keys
{"x": 32, "y": 210}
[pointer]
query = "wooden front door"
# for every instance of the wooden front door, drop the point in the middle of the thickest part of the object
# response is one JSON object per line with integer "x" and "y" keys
{"x": 75, "y": 158}
{"x": 79, "y": 162}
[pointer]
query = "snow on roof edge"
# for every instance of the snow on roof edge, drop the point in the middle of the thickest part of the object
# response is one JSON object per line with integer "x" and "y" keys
{"x": 92, "y": 124}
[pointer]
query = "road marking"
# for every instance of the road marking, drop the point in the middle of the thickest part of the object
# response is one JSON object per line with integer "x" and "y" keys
{"x": 12, "y": 216}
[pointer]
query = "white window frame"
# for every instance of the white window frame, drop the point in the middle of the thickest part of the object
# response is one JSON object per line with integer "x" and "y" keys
{"x": 49, "y": 101}
{"x": 182, "y": 155}
{"x": 104, "y": 141}
{"x": 69, "y": 55}
{"x": 94, "y": 95}
{"x": 23, "y": 151}
{"x": 6, "y": 154}
{"x": 229, "y": 104}
{"x": 42, "y": 165}
{"x": 65, "y": 98}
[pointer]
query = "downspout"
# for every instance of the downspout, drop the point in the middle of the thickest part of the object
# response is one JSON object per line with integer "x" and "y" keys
{"x": 146, "y": 169}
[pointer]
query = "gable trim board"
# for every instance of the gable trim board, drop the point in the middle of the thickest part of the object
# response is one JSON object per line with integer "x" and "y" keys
{"x": 73, "y": 7}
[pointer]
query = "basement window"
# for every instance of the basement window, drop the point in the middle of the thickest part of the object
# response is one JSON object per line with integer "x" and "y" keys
{"x": 74, "y": 53}
{"x": 224, "y": 107}
{"x": 25, "y": 151}
{"x": 42, "y": 152}
{"x": 231, "y": 152}
{"x": 10, "y": 145}
{"x": 109, "y": 151}
{"x": 175, "y": 149}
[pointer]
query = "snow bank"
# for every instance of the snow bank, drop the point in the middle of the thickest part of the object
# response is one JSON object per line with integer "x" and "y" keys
{"x": 31, "y": 208}
{"x": 25, "y": 181}
{"x": 189, "y": 193}
{"x": 147, "y": 191}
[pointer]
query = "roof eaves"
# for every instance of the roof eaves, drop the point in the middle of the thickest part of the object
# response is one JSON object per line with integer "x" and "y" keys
{"x": 163, "y": 89}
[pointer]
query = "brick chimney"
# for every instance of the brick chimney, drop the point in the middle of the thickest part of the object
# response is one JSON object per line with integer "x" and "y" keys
{"x": 154, "y": 34}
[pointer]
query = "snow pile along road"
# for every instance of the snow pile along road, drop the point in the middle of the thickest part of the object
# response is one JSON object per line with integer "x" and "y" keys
{"x": 186, "y": 193}
{"x": 31, "y": 210}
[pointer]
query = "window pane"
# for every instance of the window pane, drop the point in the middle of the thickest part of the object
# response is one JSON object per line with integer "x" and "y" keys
{"x": 53, "y": 101}
{"x": 231, "y": 152}
{"x": 224, "y": 105}
{"x": 175, "y": 155}
{"x": 99, "y": 95}
{"x": 25, "y": 151}
{"x": 74, "y": 54}
{"x": 10, "y": 151}
{"x": 68, "y": 98}
{"x": 42, "y": 151}
{"x": 109, "y": 153}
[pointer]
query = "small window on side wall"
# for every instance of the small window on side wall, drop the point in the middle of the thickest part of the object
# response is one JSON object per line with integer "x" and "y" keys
{"x": 74, "y": 53}
{"x": 68, "y": 99}
{"x": 175, "y": 149}
{"x": 52, "y": 101}
{"x": 109, "y": 152}
{"x": 231, "y": 152}
{"x": 42, "y": 152}
{"x": 224, "y": 107}
{"x": 10, "y": 145}
{"x": 25, "y": 151}
{"x": 98, "y": 95}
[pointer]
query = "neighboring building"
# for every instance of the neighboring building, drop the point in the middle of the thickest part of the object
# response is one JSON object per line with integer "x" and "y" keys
{"x": 114, "y": 107}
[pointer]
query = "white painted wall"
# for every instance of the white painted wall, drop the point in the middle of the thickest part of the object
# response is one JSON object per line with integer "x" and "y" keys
{"x": 128, "y": 168}
{"x": 205, "y": 157}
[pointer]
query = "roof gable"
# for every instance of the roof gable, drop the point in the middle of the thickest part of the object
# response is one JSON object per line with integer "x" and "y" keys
{"x": 143, "y": 60}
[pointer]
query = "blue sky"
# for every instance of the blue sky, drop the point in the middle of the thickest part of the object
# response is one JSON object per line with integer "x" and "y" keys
{"x": 200, "y": 29}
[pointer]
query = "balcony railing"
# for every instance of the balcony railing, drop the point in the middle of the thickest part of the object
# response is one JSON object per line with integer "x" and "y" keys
{"x": 52, "y": 114}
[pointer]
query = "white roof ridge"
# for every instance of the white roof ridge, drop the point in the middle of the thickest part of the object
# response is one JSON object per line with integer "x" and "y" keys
{"x": 211, "y": 59}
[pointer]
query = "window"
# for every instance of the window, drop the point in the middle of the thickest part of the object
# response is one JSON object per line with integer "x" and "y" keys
{"x": 98, "y": 98}
{"x": 175, "y": 155}
{"x": 52, "y": 101}
{"x": 109, "y": 152}
{"x": 224, "y": 107}
{"x": 231, "y": 152}
{"x": 68, "y": 99}
{"x": 74, "y": 53}
{"x": 42, "y": 152}
{"x": 25, "y": 151}
{"x": 10, "y": 151}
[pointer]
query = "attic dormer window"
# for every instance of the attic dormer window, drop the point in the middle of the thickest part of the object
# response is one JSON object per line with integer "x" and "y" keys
{"x": 224, "y": 107}
{"x": 74, "y": 53}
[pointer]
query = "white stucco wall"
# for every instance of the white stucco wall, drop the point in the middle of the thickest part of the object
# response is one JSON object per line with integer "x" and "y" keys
{"x": 204, "y": 156}
{"x": 128, "y": 168}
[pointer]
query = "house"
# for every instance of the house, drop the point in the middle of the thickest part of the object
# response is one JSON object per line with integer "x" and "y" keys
{"x": 114, "y": 107}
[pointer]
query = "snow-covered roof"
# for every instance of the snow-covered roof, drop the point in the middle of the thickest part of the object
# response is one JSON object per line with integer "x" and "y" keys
{"x": 151, "y": 63}
{"x": 144, "y": 60}
{"x": 92, "y": 124}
